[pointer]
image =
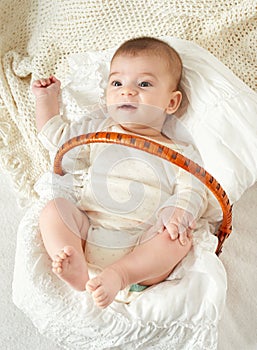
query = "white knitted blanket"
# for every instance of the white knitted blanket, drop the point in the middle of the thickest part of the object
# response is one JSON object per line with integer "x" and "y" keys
{"x": 38, "y": 36}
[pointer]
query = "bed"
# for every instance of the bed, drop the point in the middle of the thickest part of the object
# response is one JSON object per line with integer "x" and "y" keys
{"x": 72, "y": 43}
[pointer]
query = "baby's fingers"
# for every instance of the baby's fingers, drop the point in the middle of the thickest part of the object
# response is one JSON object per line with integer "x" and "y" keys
{"x": 186, "y": 236}
{"x": 183, "y": 238}
{"x": 37, "y": 83}
{"x": 173, "y": 231}
{"x": 45, "y": 82}
{"x": 42, "y": 82}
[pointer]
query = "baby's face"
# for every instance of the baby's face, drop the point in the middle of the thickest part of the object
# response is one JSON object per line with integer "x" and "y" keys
{"x": 140, "y": 90}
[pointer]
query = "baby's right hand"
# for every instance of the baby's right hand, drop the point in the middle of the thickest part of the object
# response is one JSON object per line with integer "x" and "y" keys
{"x": 46, "y": 87}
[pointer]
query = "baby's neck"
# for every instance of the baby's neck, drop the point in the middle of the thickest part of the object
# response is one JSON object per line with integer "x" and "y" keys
{"x": 162, "y": 138}
{"x": 147, "y": 132}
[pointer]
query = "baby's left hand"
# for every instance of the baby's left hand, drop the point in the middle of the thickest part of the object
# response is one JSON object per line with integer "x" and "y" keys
{"x": 177, "y": 222}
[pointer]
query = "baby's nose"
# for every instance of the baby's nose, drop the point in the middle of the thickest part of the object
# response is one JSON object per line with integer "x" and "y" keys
{"x": 128, "y": 91}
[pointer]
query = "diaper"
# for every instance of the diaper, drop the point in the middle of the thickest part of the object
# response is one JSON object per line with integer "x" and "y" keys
{"x": 105, "y": 246}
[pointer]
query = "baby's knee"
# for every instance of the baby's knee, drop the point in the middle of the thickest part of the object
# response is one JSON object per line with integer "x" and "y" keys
{"x": 53, "y": 208}
{"x": 63, "y": 211}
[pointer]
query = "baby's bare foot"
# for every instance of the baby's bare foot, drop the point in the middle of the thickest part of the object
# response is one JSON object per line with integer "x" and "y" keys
{"x": 104, "y": 287}
{"x": 70, "y": 266}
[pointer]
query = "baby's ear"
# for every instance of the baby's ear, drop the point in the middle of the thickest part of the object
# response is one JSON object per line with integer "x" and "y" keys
{"x": 183, "y": 105}
{"x": 175, "y": 101}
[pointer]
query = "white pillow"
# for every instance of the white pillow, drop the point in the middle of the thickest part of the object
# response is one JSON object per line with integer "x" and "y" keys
{"x": 220, "y": 117}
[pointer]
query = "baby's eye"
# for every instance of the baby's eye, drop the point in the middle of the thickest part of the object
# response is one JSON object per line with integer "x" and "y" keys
{"x": 116, "y": 83}
{"x": 145, "y": 84}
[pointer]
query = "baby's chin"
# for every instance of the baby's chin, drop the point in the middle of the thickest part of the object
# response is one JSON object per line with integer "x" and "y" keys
{"x": 137, "y": 116}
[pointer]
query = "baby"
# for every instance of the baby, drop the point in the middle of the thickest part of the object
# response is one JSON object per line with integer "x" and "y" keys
{"x": 138, "y": 243}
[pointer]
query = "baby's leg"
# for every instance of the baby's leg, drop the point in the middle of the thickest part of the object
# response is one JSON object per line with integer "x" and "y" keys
{"x": 149, "y": 263}
{"x": 63, "y": 228}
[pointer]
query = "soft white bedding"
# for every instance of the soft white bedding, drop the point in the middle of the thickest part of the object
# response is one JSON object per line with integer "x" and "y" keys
{"x": 178, "y": 313}
{"x": 237, "y": 328}
{"x": 182, "y": 313}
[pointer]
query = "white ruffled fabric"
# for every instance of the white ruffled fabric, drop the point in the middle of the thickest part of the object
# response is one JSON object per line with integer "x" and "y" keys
{"x": 181, "y": 313}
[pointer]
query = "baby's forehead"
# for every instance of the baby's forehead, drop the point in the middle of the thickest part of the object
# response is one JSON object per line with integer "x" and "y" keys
{"x": 145, "y": 56}
{"x": 168, "y": 56}
{"x": 170, "y": 61}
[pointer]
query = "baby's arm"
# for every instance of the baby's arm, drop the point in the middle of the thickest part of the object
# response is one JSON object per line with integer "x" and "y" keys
{"x": 46, "y": 92}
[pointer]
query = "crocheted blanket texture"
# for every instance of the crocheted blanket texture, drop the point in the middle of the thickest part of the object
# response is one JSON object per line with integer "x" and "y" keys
{"x": 37, "y": 37}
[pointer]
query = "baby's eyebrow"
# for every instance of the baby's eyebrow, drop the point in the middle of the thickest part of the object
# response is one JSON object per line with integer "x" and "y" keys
{"x": 148, "y": 76}
{"x": 142, "y": 75}
{"x": 113, "y": 73}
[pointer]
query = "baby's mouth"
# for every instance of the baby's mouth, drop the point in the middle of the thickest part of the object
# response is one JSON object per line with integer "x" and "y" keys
{"x": 127, "y": 107}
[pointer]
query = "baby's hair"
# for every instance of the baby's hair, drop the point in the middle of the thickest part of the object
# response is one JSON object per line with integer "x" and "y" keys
{"x": 153, "y": 46}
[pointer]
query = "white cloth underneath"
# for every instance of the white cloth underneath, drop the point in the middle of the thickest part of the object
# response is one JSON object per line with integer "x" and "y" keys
{"x": 183, "y": 312}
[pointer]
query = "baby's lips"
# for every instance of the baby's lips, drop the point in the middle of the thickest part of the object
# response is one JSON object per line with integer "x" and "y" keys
{"x": 127, "y": 106}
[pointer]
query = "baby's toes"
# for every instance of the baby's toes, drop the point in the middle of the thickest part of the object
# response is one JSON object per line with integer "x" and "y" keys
{"x": 99, "y": 293}
{"x": 62, "y": 255}
{"x": 56, "y": 264}
{"x": 57, "y": 270}
{"x": 101, "y": 298}
{"x": 68, "y": 251}
{"x": 93, "y": 285}
{"x": 57, "y": 259}
{"x": 56, "y": 267}
{"x": 103, "y": 303}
